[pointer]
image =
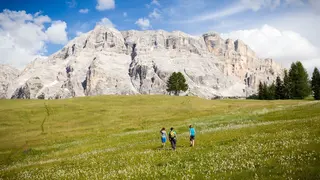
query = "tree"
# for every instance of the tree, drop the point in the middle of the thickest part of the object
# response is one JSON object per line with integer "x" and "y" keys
{"x": 293, "y": 79}
{"x": 279, "y": 89}
{"x": 271, "y": 92}
{"x": 253, "y": 96}
{"x": 286, "y": 85}
{"x": 177, "y": 83}
{"x": 315, "y": 84}
{"x": 260, "y": 91}
{"x": 265, "y": 91}
{"x": 299, "y": 83}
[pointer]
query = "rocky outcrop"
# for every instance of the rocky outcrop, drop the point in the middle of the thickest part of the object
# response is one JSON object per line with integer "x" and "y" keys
{"x": 7, "y": 75}
{"x": 29, "y": 90}
{"x": 106, "y": 61}
{"x": 237, "y": 59}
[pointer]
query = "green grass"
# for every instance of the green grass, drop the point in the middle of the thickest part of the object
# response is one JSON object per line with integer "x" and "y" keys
{"x": 117, "y": 137}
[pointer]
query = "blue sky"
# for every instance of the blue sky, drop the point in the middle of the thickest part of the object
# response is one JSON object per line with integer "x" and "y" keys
{"x": 273, "y": 28}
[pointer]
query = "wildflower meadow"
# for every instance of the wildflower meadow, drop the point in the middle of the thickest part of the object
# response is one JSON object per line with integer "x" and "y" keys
{"x": 117, "y": 137}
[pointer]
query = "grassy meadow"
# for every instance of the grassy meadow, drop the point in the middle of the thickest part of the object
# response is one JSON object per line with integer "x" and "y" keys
{"x": 117, "y": 137}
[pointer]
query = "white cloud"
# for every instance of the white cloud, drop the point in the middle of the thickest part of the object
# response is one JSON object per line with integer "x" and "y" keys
{"x": 303, "y": 22}
{"x": 315, "y": 4}
{"x": 84, "y": 11}
{"x": 143, "y": 23}
{"x": 78, "y": 33}
{"x": 106, "y": 22}
{"x": 239, "y": 6}
{"x": 72, "y": 3}
{"x": 41, "y": 19}
{"x": 125, "y": 14}
{"x": 283, "y": 46}
{"x": 256, "y": 5}
{"x": 105, "y": 5}
{"x": 57, "y": 32}
{"x": 38, "y": 13}
{"x": 294, "y": 2}
{"x": 22, "y": 37}
{"x": 155, "y": 2}
{"x": 216, "y": 15}
{"x": 155, "y": 14}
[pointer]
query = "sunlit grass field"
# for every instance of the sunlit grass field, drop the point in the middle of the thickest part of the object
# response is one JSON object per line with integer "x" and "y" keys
{"x": 117, "y": 137}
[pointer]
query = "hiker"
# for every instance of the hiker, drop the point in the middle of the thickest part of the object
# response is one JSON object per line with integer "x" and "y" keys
{"x": 192, "y": 135}
{"x": 173, "y": 138}
{"x": 163, "y": 136}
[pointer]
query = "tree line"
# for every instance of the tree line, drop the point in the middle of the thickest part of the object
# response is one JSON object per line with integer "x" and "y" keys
{"x": 294, "y": 85}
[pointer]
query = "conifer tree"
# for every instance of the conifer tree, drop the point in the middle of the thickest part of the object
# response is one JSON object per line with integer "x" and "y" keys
{"x": 271, "y": 92}
{"x": 292, "y": 79}
{"x": 315, "y": 84}
{"x": 265, "y": 91}
{"x": 260, "y": 91}
{"x": 299, "y": 83}
{"x": 279, "y": 89}
{"x": 177, "y": 83}
{"x": 286, "y": 85}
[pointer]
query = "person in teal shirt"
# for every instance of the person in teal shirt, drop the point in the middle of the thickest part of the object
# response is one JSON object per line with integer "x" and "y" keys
{"x": 192, "y": 132}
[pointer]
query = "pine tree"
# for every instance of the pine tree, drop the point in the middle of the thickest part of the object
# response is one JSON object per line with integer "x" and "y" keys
{"x": 177, "y": 83}
{"x": 279, "y": 89}
{"x": 292, "y": 79}
{"x": 286, "y": 85}
{"x": 299, "y": 83}
{"x": 265, "y": 91}
{"x": 171, "y": 84}
{"x": 260, "y": 91}
{"x": 315, "y": 84}
{"x": 303, "y": 84}
{"x": 183, "y": 86}
{"x": 271, "y": 90}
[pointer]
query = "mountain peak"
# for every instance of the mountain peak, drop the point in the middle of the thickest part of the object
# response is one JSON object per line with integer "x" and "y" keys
{"x": 107, "y": 61}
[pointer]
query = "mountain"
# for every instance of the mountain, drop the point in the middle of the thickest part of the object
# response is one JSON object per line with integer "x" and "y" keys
{"x": 107, "y": 61}
{"x": 7, "y": 77}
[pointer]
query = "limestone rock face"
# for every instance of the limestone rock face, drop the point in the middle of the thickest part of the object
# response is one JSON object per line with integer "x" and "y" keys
{"x": 7, "y": 75}
{"x": 237, "y": 59}
{"x": 107, "y": 61}
{"x": 29, "y": 90}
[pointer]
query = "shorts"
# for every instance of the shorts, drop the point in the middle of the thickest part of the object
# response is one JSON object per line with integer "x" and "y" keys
{"x": 163, "y": 139}
{"x": 192, "y": 138}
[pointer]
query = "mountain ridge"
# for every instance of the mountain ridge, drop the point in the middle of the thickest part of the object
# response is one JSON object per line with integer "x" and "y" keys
{"x": 108, "y": 61}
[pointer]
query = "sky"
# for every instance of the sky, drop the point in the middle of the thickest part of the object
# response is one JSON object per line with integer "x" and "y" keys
{"x": 285, "y": 30}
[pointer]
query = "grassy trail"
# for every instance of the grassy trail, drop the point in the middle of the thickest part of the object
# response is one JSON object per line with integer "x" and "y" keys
{"x": 117, "y": 137}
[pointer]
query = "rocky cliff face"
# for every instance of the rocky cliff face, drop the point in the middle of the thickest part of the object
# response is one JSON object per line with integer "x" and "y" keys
{"x": 7, "y": 76}
{"x": 106, "y": 61}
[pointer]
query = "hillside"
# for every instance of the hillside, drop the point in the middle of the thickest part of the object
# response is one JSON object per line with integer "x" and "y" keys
{"x": 117, "y": 137}
{"x": 107, "y": 61}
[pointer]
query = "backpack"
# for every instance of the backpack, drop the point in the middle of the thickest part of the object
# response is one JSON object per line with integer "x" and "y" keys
{"x": 172, "y": 135}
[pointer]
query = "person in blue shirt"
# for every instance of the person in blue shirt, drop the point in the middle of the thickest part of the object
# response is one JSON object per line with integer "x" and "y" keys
{"x": 192, "y": 132}
{"x": 163, "y": 136}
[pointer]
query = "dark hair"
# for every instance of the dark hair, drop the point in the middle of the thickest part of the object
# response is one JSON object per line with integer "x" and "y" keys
{"x": 171, "y": 128}
{"x": 163, "y": 129}
{"x": 190, "y": 126}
